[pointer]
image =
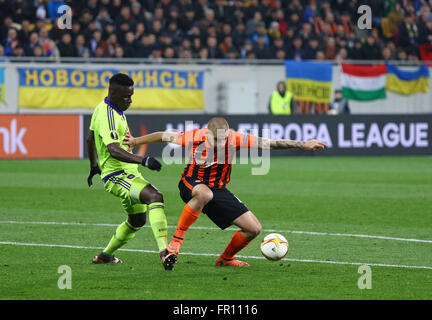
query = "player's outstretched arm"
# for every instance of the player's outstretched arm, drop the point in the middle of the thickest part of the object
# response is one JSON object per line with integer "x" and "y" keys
{"x": 310, "y": 145}
{"x": 156, "y": 137}
{"x": 92, "y": 153}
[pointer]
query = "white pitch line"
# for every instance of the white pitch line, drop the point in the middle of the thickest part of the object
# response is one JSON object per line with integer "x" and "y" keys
{"x": 312, "y": 233}
{"x": 216, "y": 255}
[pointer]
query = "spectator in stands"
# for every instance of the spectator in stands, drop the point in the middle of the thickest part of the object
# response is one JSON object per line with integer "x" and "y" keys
{"x": 18, "y": 51}
{"x": 279, "y": 16}
{"x": 49, "y": 46}
{"x": 213, "y": 50}
{"x": 330, "y": 48}
{"x": 208, "y": 20}
{"x": 223, "y": 12}
{"x": 273, "y": 31}
{"x": 174, "y": 33}
{"x": 94, "y": 41}
{"x": 355, "y": 52}
{"x": 402, "y": 55}
{"x": 109, "y": 45}
{"x": 103, "y": 19}
{"x": 40, "y": 10}
{"x": 296, "y": 49}
{"x": 118, "y": 52}
{"x": 278, "y": 45}
{"x": 386, "y": 54}
{"x": 225, "y": 31}
{"x": 408, "y": 35}
{"x": 137, "y": 14}
{"x": 143, "y": 47}
{"x": 203, "y": 54}
{"x": 239, "y": 35}
{"x": 261, "y": 32}
{"x": 266, "y": 9}
{"x": 370, "y": 49}
{"x": 187, "y": 20}
{"x": 339, "y": 105}
{"x": 246, "y": 48}
{"x": 425, "y": 32}
{"x": 66, "y": 48}
{"x": 320, "y": 56}
{"x": 310, "y": 12}
{"x": 169, "y": 53}
{"x": 10, "y": 42}
{"x": 311, "y": 48}
{"x": 129, "y": 46}
{"x": 261, "y": 49}
{"x": 33, "y": 42}
{"x": 227, "y": 46}
{"x": 196, "y": 46}
{"x": 99, "y": 53}
{"x": 252, "y": 24}
{"x": 38, "y": 52}
{"x": 341, "y": 55}
{"x": 4, "y": 29}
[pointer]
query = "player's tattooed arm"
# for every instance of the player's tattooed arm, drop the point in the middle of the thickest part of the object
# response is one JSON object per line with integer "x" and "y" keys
{"x": 156, "y": 137}
{"x": 310, "y": 145}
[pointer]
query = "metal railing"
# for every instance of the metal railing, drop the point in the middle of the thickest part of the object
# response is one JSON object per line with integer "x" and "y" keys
{"x": 147, "y": 61}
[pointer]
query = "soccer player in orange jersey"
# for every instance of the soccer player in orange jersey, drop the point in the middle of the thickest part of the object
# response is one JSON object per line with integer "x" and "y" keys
{"x": 204, "y": 180}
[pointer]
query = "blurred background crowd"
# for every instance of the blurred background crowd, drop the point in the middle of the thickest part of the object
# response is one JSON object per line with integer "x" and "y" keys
{"x": 218, "y": 29}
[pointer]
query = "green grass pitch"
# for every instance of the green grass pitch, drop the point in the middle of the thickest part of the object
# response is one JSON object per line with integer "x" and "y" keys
{"x": 336, "y": 212}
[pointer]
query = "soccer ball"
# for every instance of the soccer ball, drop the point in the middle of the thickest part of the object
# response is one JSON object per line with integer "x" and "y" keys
{"x": 274, "y": 246}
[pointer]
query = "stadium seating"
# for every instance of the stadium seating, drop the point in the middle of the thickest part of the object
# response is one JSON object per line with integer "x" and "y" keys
{"x": 218, "y": 29}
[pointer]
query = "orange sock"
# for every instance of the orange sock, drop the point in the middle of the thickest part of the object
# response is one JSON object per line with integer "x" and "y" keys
{"x": 187, "y": 218}
{"x": 237, "y": 243}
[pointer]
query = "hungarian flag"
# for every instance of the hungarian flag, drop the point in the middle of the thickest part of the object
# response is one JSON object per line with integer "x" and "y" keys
{"x": 364, "y": 82}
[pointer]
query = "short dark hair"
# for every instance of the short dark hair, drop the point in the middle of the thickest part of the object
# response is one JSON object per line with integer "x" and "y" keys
{"x": 121, "y": 79}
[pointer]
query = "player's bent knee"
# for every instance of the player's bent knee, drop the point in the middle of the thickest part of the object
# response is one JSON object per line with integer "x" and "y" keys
{"x": 254, "y": 230}
{"x": 137, "y": 220}
{"x": 206, "y": 197}
{"x": 156, "y": 197}
{"x": 203, "y": 196}
{"x": 150, "y": 195}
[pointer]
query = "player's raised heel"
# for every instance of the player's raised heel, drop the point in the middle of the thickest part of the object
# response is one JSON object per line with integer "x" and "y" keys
{"x": 174, "y": 245}
{"x": 169, "y": 259}
{"x": 101, "y": 259}
{"x": 221, "y": 262}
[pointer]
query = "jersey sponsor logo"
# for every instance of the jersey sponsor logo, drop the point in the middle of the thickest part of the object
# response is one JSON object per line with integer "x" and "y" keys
{"x": 131, "y": 176}
{"x": 114, "y": 135}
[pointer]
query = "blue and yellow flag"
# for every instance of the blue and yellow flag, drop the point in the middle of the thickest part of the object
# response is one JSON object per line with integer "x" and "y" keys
{"x": 2, "y": 85}
{"x": 309, "y": 81}
{"x": 407, "y": 82}
{"x": 85, "y": 88}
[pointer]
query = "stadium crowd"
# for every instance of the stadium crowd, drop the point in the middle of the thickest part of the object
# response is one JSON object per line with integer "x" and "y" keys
{"x": 218, "y": 29}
